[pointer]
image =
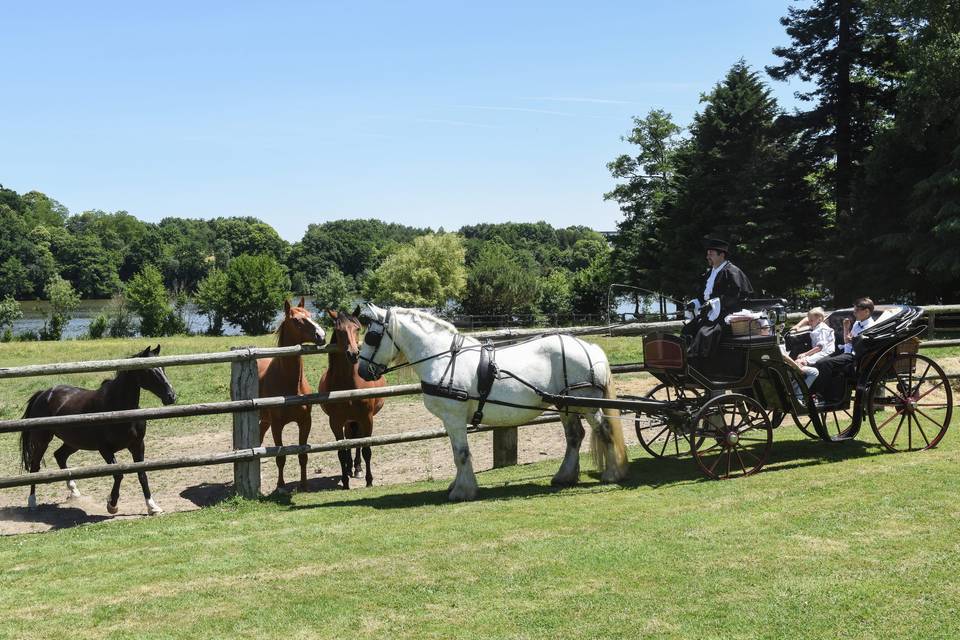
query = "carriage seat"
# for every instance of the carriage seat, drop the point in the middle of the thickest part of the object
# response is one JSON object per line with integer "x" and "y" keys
{"x": 756, "y": 340}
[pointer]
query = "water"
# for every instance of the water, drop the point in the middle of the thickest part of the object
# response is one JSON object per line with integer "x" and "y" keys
{"x": 35, "y": 312}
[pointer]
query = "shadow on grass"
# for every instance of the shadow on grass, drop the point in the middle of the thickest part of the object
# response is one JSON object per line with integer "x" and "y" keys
{"x": 53, "y": 515}
{"x": 642, "y": 472}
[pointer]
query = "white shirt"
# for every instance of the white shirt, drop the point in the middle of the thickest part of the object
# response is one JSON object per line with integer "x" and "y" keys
{"x": 822, "y": 336}
{"x": 858, "y": 327}
{"x": 708, "y": 289}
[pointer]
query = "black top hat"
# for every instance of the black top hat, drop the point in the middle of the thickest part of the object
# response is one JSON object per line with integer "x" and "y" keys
{"x": 716, "y": 244}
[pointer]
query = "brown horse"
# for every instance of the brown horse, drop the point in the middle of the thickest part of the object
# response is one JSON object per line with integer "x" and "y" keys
{"x": 284, "y": 376}
{"x": 352, "y": 419}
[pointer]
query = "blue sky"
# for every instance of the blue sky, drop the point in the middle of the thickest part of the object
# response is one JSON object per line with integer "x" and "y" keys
{"x": 424, "y": 113}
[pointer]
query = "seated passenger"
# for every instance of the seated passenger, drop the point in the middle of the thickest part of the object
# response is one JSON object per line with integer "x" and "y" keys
{"x": 833, "y": 368}
{"x": 824, "y": 344}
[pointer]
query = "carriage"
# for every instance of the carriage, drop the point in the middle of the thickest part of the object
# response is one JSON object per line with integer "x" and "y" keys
{"x": 722, "y": 411}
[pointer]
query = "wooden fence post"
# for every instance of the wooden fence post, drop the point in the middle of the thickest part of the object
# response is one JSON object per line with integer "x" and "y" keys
{"x": 504, "y": 447}
{"x": 931, "y": 320}
{"x": 244, "y": 385}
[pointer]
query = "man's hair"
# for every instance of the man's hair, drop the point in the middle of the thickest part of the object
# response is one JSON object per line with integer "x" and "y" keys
{"x": 863, "y": 303}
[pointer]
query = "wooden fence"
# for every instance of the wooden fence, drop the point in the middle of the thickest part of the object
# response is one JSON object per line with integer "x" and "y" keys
{"x": 245, "y": 405}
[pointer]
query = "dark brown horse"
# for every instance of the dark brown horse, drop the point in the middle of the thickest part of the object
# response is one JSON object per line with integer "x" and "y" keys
{"x": 116, "y": 394}
{"x": 353, "y": 419}
{"x": 284, "y": 376}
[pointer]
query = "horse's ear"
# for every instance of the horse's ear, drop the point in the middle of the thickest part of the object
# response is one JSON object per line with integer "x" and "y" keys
{"x": 157, "y": 350}
{"x": 286, "y": 308}
{"x": 303, "y": 302}
{"x": 356, "y": 312}
{"x": 332, "y": 314}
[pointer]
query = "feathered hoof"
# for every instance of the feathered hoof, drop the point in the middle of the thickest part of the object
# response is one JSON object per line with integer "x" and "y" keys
{"x": 74, "y": 491}
{"x": 462, "y": 494}
{"x": 613, "y": 475}
{"x": 563, "y": 482}
{"x": 112, "y": 508}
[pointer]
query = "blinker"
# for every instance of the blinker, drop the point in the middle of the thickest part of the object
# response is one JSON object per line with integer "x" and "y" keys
{"x": 373, "y": 338}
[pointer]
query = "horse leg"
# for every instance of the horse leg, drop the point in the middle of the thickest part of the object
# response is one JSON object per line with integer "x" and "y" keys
{"x": 35, "y": 445}
{"x": 607, "y": 452}
{"x": 464, "y": 486}
{"x": 366, "y": 430}
{"x": 304, "y": 425}
{"x": 569, "y": 472}
{"x": 343, "y": 454}
{"x": 137, "y": 450}
{"x": 277, "y": 430}
{"x": 352, "y": 430}
{"x": 110, "y": 458}
{"x": 61, "y": 456}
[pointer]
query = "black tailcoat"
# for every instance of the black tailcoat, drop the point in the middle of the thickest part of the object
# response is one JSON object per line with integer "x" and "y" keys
{"x": 732, "y": 287}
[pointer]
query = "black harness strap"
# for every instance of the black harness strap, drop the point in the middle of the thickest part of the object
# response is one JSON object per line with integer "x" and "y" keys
{"x": 486, "y": 374}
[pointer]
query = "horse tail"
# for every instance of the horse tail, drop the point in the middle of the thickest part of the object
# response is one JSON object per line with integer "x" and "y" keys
{"x": 26, "y": 448}
{"x": 610, "y": 432}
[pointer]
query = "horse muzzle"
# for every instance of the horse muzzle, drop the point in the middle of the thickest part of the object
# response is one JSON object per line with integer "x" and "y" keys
{"x": 169, "y": 399}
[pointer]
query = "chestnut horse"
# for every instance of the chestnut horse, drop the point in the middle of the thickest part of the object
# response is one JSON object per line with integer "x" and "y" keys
{"x": 283, "y": 376}
{"x": 352, "y": 419}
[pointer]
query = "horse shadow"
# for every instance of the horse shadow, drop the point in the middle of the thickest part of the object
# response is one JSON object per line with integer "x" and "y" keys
{"x": 208, "y": 494}
{"x": 55, "y": 516}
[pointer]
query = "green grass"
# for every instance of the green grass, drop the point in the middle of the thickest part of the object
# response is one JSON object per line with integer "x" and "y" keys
{"x": 832, "y": 541}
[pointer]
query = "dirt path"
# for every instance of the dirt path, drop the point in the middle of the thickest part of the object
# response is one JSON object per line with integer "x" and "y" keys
{"x": 193, "y": 488}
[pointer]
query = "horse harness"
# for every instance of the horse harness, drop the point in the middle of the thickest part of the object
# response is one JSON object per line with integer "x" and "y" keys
{"x": 488, "y": 371}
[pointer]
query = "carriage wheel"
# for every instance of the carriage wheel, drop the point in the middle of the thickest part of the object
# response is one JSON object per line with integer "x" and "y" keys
{"x": 839, "y": 424}
{"x": 732, "y": 437}
{"x": 910, "y": 403}
{"x": 659, "y": 436}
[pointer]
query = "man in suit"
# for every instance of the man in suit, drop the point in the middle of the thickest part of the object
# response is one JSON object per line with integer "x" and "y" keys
{"x": 724, "y": 290}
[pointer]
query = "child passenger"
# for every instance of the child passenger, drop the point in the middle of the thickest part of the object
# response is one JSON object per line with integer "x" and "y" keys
{"x": 823, "y": 341}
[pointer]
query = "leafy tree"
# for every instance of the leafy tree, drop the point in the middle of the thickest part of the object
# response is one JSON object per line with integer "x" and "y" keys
{"x": 428, "y": 273}
{"x": 256, "y": 289}
{"x": 333, "y": 291}
{"x": 85, "y": 263}
{"x": 14, "y": 278}
{"x": 40, "y": 209}
{"x": 120, "y": 322}
{"x": 210, "y": 299}
{"x": 556, "y": 293}
{"x": 589, "y": 286}
{"x": 248, "y": 235}
{"x": 501, "y": 281}
{"x": 639, "y": 246}
{"x": 63, "y": 302}
{"x": 10, "y": 312}
{"x": 149, "y": 299}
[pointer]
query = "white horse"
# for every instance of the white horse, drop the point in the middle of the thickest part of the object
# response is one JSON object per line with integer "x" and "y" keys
{"x": 555, "y": 364}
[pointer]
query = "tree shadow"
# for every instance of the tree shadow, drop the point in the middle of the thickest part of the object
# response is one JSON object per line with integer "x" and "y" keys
{"x": 53, "y": 515}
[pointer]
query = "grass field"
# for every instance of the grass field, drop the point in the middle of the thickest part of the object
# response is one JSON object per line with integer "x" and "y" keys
{"x": 830, "y": 541}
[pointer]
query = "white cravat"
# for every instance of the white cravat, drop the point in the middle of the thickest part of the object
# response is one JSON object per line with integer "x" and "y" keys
{"x": 708, "y": 288}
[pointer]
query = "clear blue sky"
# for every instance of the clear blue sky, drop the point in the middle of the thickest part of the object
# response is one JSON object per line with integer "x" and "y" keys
{"x": 429, "y": 114}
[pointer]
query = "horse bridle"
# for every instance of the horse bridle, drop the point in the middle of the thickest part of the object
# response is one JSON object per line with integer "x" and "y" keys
{"x": 374, "y": 337}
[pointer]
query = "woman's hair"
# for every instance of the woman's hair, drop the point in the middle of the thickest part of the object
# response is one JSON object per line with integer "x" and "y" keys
{"x": 817, "y": 311}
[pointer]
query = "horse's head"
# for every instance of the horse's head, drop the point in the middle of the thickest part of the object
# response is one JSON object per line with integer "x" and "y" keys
{"x": 379, "y": 348}
{"x": 346, "y": 333}
{"x": 155, "y": 380}
{"x": 298, "y": 326}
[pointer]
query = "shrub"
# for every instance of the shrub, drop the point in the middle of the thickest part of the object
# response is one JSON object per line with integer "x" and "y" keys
{"x": 63, "y": 301}
{"x": 98, "y": 327}
{"x": 255, "y": 291}
{"x": 148, "y": 298}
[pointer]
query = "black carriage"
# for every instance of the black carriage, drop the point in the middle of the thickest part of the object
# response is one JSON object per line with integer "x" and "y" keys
{"x": 722, "y": 411}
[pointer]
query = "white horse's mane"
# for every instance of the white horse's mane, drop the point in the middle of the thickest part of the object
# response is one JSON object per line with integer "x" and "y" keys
{"x": 422, "y": 317}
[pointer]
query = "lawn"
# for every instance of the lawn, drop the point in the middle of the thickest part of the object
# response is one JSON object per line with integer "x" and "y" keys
{"x": 829, "y": 541}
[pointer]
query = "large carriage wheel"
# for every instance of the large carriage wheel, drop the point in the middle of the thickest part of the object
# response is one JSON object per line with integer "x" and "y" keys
{"x": 910, "y": 403}
{"x": 732, "y": 436}
{"x": 659, "y": 436}
{"x": 839, "y": 424}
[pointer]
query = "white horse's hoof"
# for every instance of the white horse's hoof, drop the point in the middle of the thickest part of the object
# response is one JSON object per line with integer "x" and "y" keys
{"x": 112, "y": 508}
{"x": 32, "y": 503}
{"x": 153, "y": 508}
{"x": 461, "y": 494}
{"x": 74, "y": 491}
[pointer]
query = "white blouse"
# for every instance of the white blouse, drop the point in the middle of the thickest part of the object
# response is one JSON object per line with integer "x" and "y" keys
{"x": 822, "y": 336}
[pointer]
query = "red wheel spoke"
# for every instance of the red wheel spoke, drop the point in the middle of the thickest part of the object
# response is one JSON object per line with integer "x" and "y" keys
{"x": 719, "y": 458}
{"x": 920, "y": 429}
{"x": 740, "y": 458}
{"x": 660, "y": 433}
{"x": 923, "y": 413}
{"x": 746, "y": 451}
{"x": 899, "y": 412}
{"x": 666, "y": 441}
{"x": 897, "y": 432}
{"x": 939, "y": 384}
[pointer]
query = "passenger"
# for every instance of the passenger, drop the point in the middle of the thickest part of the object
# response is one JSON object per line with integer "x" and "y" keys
{"x": 834, "y": 368}
{"x": 824, "y": 344}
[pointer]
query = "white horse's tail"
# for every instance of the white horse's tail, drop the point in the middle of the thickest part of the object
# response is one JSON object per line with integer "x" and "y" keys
{"x": 609, "y": 449}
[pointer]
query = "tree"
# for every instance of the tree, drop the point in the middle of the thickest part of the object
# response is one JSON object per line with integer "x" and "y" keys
{"x": 63, "y": 302}
{"x": 428, "y": 273}
{"x": 210, "y": 299}
{"x": 589, "y": 287}
{"x": 638, "y": 247}
{"x": 149, "y": 299}
{"x": 10, "y": 312}
{"x": 556, "y": 293}
{"x": 333, "y": 291}
{"x": 847, "y": 49}
{"x": 256, "y": 289}
{"x": 501, "y": 282}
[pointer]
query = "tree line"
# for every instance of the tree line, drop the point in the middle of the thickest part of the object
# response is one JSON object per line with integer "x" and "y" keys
{"x": 239, "y": 270}
{"x": 856, "y": 192}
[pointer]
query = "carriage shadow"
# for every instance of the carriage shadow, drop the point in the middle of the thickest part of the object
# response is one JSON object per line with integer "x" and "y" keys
{"x": 53, "y": 515}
